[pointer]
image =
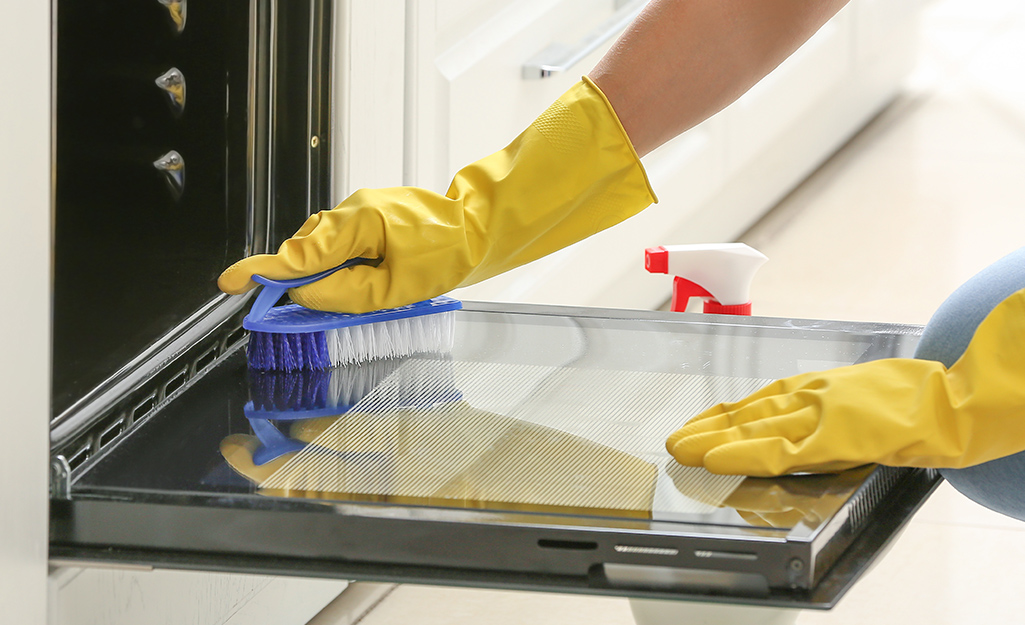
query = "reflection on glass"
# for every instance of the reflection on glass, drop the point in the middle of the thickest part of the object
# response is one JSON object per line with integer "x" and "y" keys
{"x": 306, "y": 394}
{"x": 480, "y": 435}
{"x": 412, "y": 439}
{"x": 782, "y": 502}
{"x": 178, "y": 11}
{"x": 450, "y": 455}
{"x": 172, "y": 82}
{"x": 173, "y": 166}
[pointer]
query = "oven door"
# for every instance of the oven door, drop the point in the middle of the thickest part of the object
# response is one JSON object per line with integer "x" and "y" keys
{"x": 180, "y": 147}
{"x": 531, "y": 456}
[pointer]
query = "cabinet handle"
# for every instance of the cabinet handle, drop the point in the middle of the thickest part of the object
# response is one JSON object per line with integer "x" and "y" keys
{"x": 558, "y": 58}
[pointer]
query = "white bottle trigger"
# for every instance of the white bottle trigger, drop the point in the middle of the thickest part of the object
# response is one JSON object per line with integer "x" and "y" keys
{"x": 720, "y": 273}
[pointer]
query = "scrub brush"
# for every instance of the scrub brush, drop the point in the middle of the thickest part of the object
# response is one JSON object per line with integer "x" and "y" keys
{"x": 294, "y": 338}
{"x": 421, "y": 381}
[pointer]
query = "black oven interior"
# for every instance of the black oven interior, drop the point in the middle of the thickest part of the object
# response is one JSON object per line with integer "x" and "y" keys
{"x": 182, "y": 143}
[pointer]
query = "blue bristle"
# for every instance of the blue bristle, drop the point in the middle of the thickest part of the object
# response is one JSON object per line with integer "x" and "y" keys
{"x": 319, "y": 358}
{"x": 260, "y": 351}
{"x": 291, "y": 352}
{"x": 289, "y": 391}
{"x": 288, "y": 352}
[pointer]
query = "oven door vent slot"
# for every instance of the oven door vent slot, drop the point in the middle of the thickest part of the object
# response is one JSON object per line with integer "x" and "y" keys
{"x": 571, "y": 545}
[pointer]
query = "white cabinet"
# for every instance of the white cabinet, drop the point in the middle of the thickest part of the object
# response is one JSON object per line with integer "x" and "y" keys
{"x": 126, "y": 596}
{"x": 24, "y": 317}
{"x": 465, "y": 96}
{"x": 468, "y": 96}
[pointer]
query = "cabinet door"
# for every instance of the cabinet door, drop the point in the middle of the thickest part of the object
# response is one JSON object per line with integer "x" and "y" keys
{"x": 139, "y": 594}
{"x": 467, "y": 94}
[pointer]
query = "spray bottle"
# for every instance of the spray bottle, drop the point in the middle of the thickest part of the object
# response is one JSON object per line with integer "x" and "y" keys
{"x": 721, "y": 273}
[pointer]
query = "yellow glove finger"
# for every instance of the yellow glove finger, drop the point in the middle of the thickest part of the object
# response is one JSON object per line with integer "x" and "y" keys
{"x": 746, "y": 412}
{"x": 356, "y": 289}
{"x": 238, "y": 278}
{"x": 352, "y": 235}
{"x": 770, "y": 457}
{"x": 778, "y": 389}
{"x": 692, "y": 448}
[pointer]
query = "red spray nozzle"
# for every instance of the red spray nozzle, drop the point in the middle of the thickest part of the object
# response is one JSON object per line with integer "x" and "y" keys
{"x": 656, "y": 260}
{"x": 720, "y": 273}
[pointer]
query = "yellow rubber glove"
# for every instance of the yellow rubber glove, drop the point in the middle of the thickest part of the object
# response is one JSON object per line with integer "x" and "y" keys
{"x": 899, "y": 412}
{"x": 572, "y": 173}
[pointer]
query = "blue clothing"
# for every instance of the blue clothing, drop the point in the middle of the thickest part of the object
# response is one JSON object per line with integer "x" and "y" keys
{"x": 998, "y": 484}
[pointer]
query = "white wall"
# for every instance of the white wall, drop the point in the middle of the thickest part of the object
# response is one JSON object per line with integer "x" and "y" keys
{"x": 24, "y": 307}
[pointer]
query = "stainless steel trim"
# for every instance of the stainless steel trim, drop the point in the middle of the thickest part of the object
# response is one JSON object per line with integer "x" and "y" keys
{"x": 695, "y": 580}
{"x": 136, "y": 372}
{"x": 60, "y": 478}
{"x": 311, "y": 105}
{"x": 339, "y": 112}
{"x": 558, "y": 58}
{"x": 270, "y": 61}
{"x": 318, "y": 115}
{"x": 725, "y": 555}
{"x": 98, "y": 564}
{"x": 262, "y": 24}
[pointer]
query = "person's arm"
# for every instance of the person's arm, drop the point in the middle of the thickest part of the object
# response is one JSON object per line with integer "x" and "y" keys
{"x": 682, "y": 61}
{"x": 573, "y": 172}
{"x": 897, "y": 411}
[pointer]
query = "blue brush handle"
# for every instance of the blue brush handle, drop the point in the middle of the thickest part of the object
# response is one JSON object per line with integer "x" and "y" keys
{"x": 274, "y": 289}
{"x": 275, "y": 444}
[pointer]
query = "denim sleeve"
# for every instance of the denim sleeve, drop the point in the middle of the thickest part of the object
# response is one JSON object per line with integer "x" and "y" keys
{"x": 998, "y": 484}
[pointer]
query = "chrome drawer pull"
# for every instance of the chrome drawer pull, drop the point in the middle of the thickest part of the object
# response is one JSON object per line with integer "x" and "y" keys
{"x": 558, "y": 58}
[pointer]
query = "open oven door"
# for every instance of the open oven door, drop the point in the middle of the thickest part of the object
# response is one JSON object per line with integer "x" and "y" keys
{"x": 530, "y": 456}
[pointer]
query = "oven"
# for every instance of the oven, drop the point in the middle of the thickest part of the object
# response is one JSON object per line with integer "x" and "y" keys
{"x": 191, "y": 133}
{"x": 181, "y": 145}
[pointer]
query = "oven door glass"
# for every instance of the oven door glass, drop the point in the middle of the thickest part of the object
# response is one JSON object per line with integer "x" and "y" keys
{"x": 154, "y": 175}
{"x": 531, "y": 456}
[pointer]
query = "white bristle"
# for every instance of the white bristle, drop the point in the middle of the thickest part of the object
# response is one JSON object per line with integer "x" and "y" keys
{"x": 392, "y": 339}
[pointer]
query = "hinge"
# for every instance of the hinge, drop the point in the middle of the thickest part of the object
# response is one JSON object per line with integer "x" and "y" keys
{"x": 60, "y": 478}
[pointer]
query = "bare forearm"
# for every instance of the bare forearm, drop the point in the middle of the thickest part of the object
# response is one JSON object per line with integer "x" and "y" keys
{"x": 682, "y": 61}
